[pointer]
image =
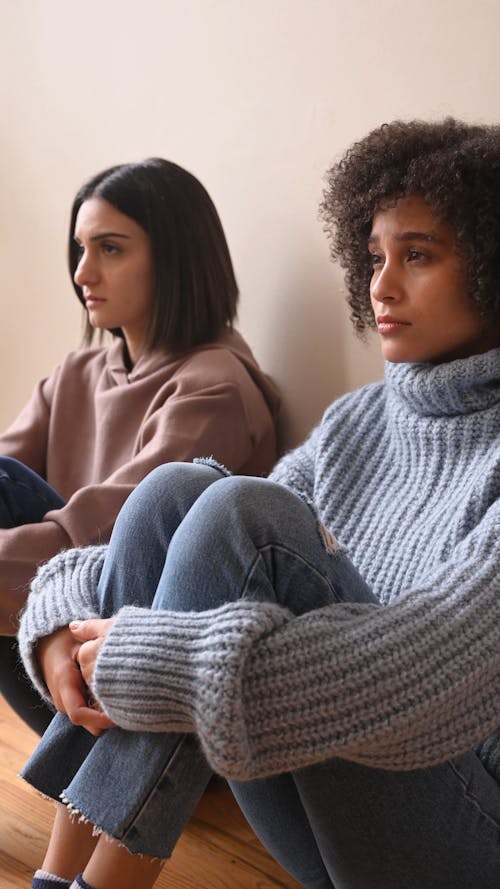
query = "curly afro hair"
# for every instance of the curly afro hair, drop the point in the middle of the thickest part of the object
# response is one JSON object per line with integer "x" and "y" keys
{"x": 454, "y": 166}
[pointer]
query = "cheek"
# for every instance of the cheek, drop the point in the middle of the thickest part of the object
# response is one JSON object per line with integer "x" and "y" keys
{"x": 139, "y": 285}
{"x": 145, "y": 280}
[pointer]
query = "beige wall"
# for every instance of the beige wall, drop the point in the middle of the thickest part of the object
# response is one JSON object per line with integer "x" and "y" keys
{"x": 256, "y": 97}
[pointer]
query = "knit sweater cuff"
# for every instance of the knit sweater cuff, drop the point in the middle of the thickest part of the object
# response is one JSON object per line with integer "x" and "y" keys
{"x": 164, "y": 671}
{"x": 64, "y": 589}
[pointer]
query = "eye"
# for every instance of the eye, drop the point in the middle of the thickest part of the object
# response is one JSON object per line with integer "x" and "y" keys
{"x": 376, "y": 259}
{"x": 109, "y": 249}
{"x": 415, "y": 255}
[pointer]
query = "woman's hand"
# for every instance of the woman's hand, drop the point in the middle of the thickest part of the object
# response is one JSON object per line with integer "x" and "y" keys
{"x": 57, "y": 659}
{"x": 57, "y": 656}
{"x": 92, "y": 635}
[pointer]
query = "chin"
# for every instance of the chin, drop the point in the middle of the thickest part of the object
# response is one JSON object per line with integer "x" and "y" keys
{"x": 401, "y": 356}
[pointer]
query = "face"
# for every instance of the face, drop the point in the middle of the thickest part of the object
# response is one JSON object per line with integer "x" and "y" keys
{"x": 115, "y": 271}
{"x": 418, "y": 289}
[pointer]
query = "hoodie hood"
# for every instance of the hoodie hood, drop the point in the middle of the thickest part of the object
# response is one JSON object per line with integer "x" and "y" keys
{"x": 150, "y": 362}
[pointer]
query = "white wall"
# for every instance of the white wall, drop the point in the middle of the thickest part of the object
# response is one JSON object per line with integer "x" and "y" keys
{"x": 257, "y": 98}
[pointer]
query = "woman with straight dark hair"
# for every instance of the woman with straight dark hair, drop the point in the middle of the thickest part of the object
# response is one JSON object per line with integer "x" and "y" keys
{"x": 195, "y": 294}
{"x": 149, "y": 261}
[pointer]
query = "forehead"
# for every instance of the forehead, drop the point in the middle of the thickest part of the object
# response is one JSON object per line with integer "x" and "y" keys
{"x": 409, "y": 215}
{"x": 96, "y": 216}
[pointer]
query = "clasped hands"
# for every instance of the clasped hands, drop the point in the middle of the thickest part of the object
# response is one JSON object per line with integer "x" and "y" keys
{"x": 67, "y": 661}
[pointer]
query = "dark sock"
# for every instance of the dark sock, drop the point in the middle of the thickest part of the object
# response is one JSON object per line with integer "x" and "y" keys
{"x": 80, "y": 883}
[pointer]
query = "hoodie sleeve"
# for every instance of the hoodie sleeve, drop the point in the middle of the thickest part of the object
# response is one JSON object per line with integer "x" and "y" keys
{"x": 211, "y": 407}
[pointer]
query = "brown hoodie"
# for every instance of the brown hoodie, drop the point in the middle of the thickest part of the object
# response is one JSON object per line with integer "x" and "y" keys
{"x": 93, "y": 431}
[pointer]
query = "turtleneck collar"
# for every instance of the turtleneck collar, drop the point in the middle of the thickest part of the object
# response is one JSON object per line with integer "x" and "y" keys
{"x": 455, "y": 387}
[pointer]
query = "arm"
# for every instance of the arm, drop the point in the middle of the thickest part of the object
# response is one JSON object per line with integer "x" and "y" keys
{"x": 398, "y": 687}
{"x": 49, "y": 649}
{"x": 63, "y": 590}
{"x": 26, "y": 438}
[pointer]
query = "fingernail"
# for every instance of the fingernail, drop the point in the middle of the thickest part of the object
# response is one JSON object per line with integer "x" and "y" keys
{"x": 75, "y": 624}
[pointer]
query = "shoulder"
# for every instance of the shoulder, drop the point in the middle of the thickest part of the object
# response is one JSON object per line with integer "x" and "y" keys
{"x": 227, "y": 355}
{"x": 80, "y": 366}
{"x": 227, "y": 362}
{"x": 89, "y": 360}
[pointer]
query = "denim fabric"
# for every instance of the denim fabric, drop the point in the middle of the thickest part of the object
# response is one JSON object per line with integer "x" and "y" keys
{"x": 182, "y": 542}
{"x": 24, "y": 499}
{"x": 24, "y": 496}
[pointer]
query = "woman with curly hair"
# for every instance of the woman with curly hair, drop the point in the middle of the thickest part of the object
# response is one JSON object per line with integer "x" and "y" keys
{"x": 329, "y": 638}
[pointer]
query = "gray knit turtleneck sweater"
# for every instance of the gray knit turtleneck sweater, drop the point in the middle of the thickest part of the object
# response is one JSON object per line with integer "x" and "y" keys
{"x": 406, "y": 474}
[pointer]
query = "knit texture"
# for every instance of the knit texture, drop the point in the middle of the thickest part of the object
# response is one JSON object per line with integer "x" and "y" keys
{"x": 406, "y": 474}
{"x": 60, "y": 593}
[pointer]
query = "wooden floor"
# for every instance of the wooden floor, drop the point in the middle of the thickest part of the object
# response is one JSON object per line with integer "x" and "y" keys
{"x": 217, "y": 850}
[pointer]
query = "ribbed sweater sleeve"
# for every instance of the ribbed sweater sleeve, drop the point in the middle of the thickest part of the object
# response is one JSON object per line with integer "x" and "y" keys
{"x": 399, "y": 687}
{"x": 63, "y": 590}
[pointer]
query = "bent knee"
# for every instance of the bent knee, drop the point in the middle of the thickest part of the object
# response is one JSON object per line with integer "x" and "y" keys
{"x": 250, "y": 499}
{"x": 10, "y": 464}
{"x": 170, "y": 489}
{"x": 176, "y": 475}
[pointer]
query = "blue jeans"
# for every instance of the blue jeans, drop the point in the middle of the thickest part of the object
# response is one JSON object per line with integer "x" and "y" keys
{"x": 24, "y": 499}
{"x": 182, "y": 542}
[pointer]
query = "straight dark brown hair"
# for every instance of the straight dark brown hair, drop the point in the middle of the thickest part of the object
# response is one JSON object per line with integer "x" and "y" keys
{"x": 195, "y": 289}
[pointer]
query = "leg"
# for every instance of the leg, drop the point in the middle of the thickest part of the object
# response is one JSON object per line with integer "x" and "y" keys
{"x": 136, "y": 810}
{"x": 68, "y": 759}
{"x": 144, "y": 529}
{"x": 438, "y": 828}
{"x": 24, "y": 499}
{"x": 70, "y": 847}
{"x": 112, "y": 865}
{"x": 74, "y": 848}
{"x": 275, "y": 550}
{"x": 18, "y": 690}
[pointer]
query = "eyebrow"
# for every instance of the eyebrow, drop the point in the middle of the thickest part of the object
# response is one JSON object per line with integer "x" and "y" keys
{"x": 102, "y": 235}
{"x": 411, "y": 236}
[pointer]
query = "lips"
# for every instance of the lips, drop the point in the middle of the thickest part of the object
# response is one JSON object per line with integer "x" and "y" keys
{"x": 389, "y": 324}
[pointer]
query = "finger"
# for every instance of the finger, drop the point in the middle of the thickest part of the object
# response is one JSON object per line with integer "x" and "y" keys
{"x": 67, "y": 688}
{"x": 84, "y": 630}
{"x": 86, "y": 658}
{"x": 73, "y": 694}
{"x": 94, "y": 721}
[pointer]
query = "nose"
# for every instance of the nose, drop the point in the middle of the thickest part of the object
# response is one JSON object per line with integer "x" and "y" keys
{"x": 87, "y": 271}
{"x": 386, "y": 284}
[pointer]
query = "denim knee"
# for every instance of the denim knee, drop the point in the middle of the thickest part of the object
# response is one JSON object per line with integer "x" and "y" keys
{"x": 173, "y": 480}
{"x": 262, "y": 507}
{"x": 8, "y": 464}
